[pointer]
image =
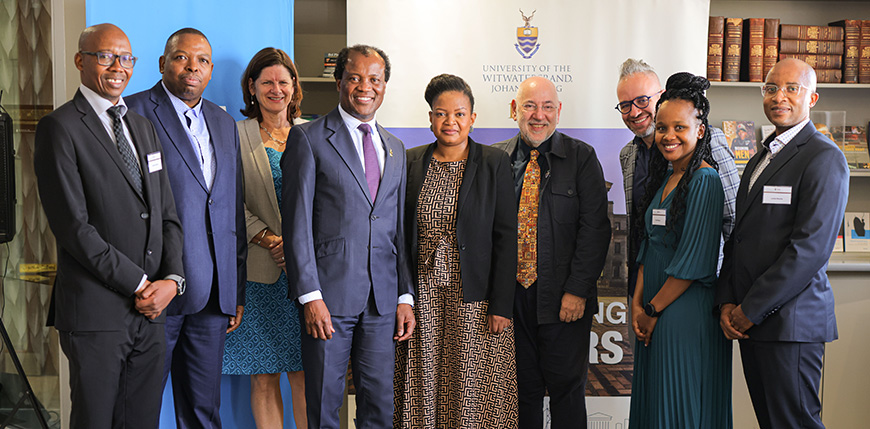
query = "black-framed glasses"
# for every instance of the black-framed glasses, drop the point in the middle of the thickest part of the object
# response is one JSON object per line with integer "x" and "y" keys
{"x": 640, "y": 102}
{"x": 790, "y": 90}
{"x": 107, "y": 58}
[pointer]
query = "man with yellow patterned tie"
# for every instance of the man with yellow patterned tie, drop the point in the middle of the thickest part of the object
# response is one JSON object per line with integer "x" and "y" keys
{"x": 562, "y": 239}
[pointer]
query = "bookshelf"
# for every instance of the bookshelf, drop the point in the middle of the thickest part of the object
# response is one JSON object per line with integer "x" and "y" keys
{"x": 320, "y": 26}
{"x": 844, "y": 385}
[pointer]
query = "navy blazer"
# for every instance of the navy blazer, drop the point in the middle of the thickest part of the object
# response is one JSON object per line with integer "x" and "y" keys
{"x": 776, "y": 258}
{"x": 573, "y": 227}
{"x": 218, "y": 213}
{"x": 336, "y": 241}
{"x": 108, "y": 234}
{"x": 486, "y": 224}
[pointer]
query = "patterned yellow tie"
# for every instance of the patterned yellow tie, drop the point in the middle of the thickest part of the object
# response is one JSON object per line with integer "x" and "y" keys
{"x": 527, "y": 222}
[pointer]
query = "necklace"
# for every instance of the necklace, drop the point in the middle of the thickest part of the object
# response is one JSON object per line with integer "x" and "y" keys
{"x": 271, "y": 137}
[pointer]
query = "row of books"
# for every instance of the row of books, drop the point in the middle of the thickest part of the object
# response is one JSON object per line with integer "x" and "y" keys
{"x": 329, "y": 61}
{"x": 851, "y": 139}
{"x": 746, "y": 49}
{"x": 854, "y": 234}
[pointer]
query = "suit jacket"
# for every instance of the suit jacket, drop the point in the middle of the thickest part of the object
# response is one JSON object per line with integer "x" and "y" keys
{"x": 777, "y": 256}
{"x": 343, "y": 245}
{"x": 216, "y": 216}
{"x": 486, "y": 224}
{"x": 573, "y": 227}
{"x": 108, "y": 234}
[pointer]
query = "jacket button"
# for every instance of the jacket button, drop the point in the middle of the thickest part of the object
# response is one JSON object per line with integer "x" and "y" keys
{"x": 373, "y": 218}
{"x": 462, "y": 247}
{"x": 144, "y": 215}
{"x": 149, "y": 252}
{"x": 570, "y": 192}
{"x": 210, "y": 201}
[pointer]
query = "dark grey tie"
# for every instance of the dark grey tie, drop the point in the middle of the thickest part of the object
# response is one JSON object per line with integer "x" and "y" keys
{"x": 125, "y": 149}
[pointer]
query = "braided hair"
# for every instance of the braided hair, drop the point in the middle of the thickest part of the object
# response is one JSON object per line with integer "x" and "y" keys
{"x": 688, "y": 87}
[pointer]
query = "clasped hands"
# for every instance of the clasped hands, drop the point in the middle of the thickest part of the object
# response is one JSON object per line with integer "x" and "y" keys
{"x": 153, "y": 298}
{"x": 734, "y": 322}
{"x": 274, "y": 243}
{"x": 642, "y": 324}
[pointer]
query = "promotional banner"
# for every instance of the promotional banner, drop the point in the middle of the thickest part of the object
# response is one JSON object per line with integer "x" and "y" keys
{"x": 494, "y": 45}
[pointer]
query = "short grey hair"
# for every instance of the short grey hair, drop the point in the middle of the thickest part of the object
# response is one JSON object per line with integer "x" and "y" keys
{"x": 632, "y": 66}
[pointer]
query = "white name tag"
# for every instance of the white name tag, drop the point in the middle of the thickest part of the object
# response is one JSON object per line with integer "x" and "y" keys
{"x": 155, "y": 161}
{"x": 777, "y": 195}
{"x": 659, "y": 217}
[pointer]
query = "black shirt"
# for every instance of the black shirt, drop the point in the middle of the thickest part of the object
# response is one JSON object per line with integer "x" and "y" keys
{"x": 520, "y": 158}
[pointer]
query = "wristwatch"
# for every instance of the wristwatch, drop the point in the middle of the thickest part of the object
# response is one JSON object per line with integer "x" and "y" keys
{"x": 650, "y": 310}
{"x": 179, "y": 282}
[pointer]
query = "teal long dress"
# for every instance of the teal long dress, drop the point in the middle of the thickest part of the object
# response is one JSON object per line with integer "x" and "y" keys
{"x": 683, "y": 378}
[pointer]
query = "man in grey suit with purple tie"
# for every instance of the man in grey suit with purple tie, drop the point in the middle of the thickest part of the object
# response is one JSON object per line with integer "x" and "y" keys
{"x": 342, "y": 205}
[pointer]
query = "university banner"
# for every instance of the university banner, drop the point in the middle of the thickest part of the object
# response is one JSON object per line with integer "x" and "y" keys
{"x": 496, "y": 44}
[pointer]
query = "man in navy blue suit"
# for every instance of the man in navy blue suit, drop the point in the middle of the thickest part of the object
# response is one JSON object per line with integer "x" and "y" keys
{"x": 773, "y": 291}
{"x": 201, "y": 146}
{"x": 343, "y": 205}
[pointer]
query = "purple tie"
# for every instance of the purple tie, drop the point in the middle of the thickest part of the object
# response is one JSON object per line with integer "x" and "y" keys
{"x": 373, "y": 172}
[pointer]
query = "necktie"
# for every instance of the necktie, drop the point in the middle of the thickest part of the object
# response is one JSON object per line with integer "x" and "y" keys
{"x": 373, "y": 171}
{"x": 527, "y": 222}
{"x": 125, "y": 149}
{"x": 201, "y": 141}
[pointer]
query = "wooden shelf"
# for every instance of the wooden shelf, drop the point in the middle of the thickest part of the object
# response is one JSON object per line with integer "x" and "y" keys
{"x": 821, "y": 85}
{"x": 331, "y": 80}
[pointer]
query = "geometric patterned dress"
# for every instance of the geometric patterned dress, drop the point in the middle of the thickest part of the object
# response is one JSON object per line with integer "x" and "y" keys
{"x": 268, "y": 340}
{"x": 452, "y": 372}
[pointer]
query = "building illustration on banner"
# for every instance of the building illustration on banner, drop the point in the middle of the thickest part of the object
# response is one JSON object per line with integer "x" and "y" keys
{"x": 527, "y": 37}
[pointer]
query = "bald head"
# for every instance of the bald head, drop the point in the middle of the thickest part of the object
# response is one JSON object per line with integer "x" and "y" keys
{"x": 108, "y": 81}
{"x": 796, "y": 94}
{"x": 536, "y": 109}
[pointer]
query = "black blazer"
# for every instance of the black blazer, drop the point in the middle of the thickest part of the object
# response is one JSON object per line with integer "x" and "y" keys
{"x": 573, "y": 227}
{"x": 108, "y": 235}
{"x": 486, "y": 224}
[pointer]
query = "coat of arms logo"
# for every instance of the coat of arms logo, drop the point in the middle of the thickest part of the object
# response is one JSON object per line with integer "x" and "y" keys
{"x": 527, "y": 37}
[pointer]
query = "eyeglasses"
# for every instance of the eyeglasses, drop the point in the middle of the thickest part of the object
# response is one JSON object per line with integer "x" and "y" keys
{"x": 532, "y": 107}
{"x": 791, "y": 89}
{"x": 640, "y": 102}
{"x": 108, "y": 58}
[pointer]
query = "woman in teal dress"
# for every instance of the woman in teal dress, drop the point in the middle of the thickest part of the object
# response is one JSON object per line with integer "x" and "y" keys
{"x": 682, "y": 362}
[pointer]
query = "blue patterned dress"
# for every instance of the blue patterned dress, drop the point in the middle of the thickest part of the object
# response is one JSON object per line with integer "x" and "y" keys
{"x": 267, "y": 342}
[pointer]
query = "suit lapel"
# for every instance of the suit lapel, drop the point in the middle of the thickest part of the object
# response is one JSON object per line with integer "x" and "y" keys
{"x": 474, "y": 156}
{"x": 168, "y": 119}
{"x": 343, "y": 144}
{"x": 93, "y": 123}
{"x": 138, "y": 133}
{"x": 251, "y": 129}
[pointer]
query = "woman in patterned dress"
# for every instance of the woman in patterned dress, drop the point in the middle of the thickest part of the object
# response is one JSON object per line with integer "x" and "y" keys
{"x": 458, "y": 369}
{"x": 268, "y": 342}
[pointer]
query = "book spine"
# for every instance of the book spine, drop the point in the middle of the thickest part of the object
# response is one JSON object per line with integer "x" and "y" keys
{"x": 851, "y": 43}
{"x": 810, "y": 32}
{"x": 864, "y": 53}
{"x": 789, "y": 46}
{"x": 731, "y": 54}
{"x": 829, "y": 75}
{"x": 715, "y": 39}
{"x": 771, "y": 45}
{"x": 817, "y": 61}
{"x": 753, "y": 49}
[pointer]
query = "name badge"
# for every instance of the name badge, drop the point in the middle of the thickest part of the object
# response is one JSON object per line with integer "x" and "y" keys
{"x": 777, "y": 195}
{"x": 659, "y": 217}
{"x": 155, "y": 161}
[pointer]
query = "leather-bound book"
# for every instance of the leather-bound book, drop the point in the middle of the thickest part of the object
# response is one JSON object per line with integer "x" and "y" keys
{"x": 817, "y": 61}
{"x": 771, "y": 45}
{"x": 829, "y": 75}
{"x": 753, "y": 50}
{"x": 715, "y": 39}
{"x": 864, "y": 53}
{"x": 731, "y": 53}
{"x": 827, "y": 47}
{"x": 851, "y": 42}
{"x": 810, "y": 32}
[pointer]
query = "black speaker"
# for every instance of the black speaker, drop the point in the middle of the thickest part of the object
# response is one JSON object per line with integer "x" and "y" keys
{"x": 7, "y": 177}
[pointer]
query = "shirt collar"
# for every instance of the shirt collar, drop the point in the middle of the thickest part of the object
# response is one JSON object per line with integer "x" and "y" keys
{"x": 100, "y": 104}
{"x": 353, "y": 123}
{"x": 783, "y": 139}
{"x": 542, "y": 148}
{"x": 180, "y": 106}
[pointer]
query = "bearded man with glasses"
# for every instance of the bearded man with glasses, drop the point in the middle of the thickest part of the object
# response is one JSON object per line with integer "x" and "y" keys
{"x": 638, "y": 91}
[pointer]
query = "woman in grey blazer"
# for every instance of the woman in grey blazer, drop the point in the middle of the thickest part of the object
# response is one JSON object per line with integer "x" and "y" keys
{"x": 268, "y": 343}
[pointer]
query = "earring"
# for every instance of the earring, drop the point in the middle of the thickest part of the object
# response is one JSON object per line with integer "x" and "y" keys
{"x": 252, "y": 99}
